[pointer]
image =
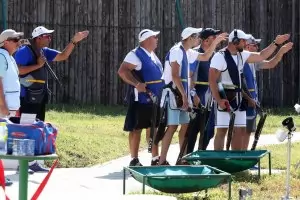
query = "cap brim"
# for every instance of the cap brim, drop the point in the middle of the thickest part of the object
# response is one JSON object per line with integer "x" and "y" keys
{"x": 49, "y": 31}
{"x": 198, "y": 30}
{"x": 257, "y": 40}
{"x": 155, "y": 33}
{"x": 18, "y": 34}
{"x": 246, "y": 37}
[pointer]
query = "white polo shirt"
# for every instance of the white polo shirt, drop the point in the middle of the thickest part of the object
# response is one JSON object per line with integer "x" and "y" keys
{"x": 218, "y": 62}
{"x": 132, "y": 58}
{"x": 176, "y": 55}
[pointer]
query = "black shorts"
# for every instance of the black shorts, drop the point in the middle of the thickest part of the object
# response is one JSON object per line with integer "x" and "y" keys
{"x": 139, "y": 116}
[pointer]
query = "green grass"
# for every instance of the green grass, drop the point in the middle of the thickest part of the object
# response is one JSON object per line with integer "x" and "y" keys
{"x": 269, "y": 187}
{"x": 90, "y": 135}
{"x": 276, "y": 116}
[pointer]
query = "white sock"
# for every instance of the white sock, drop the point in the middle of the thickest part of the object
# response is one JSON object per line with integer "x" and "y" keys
{"x": 155, "y": 158}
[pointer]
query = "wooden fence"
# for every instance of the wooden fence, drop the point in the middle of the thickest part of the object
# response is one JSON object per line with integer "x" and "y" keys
{"x": 90, "y": 75}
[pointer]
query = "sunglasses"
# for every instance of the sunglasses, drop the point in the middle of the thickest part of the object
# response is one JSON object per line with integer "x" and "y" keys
{"x": 254, "y": 45}
{"x": 47, "y": 36}
{"x": 13, "y": 39}
{"x": 195, "y": 35}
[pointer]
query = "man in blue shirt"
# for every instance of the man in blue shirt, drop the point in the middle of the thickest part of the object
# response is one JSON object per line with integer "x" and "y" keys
{"x": 33, "y": 72}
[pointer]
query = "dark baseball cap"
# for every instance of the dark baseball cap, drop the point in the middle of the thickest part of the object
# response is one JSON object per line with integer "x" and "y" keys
{"x": 205, "y": 33}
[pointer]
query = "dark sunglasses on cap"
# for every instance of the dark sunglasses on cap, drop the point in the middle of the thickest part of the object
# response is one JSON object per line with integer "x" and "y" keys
{"x": 13, "y": 39}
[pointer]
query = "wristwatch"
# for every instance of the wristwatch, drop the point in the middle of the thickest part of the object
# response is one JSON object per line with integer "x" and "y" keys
{"x": 74, "y": 43}
{"x": 277, "y": 45}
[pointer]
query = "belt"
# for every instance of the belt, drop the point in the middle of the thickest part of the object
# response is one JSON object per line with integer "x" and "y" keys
{"x": 201, "y": 83}
{"x": 35, "y": 81}
{"x": 230, "y": 87}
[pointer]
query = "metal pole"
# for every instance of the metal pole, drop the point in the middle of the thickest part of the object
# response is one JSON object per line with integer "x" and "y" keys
{"x": 288, "y": 167}
{"x": 179, "y": 13}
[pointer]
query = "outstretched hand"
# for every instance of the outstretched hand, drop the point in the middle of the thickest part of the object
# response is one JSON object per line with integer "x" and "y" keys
{"x": 221, "y": 37}
{"x": 280, "y": 39}
{"x": 80, "y": 36}
{"x": 286, "y": 48}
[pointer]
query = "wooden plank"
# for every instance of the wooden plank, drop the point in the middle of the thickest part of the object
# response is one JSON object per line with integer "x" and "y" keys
{"x": 218, "y": 13}
{"x": 297, "y": 46}
{"x": 77, "y": 80}
{"x": 87, "y": 53}
{"x": 100, "y": 65}
{"x": 213, "y": 13}
{"x": 92, "y": 41}
{"x": 115, "y": 62}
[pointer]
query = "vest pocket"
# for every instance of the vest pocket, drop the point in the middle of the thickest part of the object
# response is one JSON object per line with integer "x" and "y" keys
{"x": 35, "y": 96}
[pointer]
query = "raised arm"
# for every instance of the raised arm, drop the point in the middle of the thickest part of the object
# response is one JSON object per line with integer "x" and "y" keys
{"x": 267, "y": 52}
{"x": 269, "y": 64}
{"x": 208, "y": 53}
{"x": 64, "y": 55}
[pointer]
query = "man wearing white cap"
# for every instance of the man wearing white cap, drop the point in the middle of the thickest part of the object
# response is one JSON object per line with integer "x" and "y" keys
{"x": 249, "y": 71}
{"x": 142, "y": 70}
{"x": 9, "y": 78}
{"x": 225, "y": 70}
{"x": 176, "y": 75}
{"x": 31, "y": 62}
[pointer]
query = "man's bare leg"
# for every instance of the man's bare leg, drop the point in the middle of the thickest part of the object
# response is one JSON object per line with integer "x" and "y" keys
{"x": 166, "y": 141}
{"x": 220, "y": 138}
{"x": 154, "y": 147}
{"x": 134, "y": 142}
{"x": 238, "y": 138}
{"x": 246, "y": 140}
{"x": 182, "y": 133}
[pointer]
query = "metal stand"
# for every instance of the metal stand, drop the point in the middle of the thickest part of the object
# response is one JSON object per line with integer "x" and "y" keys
{"x": 288, "y": 167}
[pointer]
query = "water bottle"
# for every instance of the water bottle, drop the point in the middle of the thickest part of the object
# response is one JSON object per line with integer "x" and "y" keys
{"x": 3, "y": 138}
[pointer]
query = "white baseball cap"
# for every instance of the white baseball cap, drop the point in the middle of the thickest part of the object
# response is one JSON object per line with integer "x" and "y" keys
{"x": 187, "y": 32}
{"x": 9, "y": 33}
{"x": 240, "y": 34}
{"x": 252, "y": 40}
{"x": 40, "y": 30}
{"x": 146, "y": 33}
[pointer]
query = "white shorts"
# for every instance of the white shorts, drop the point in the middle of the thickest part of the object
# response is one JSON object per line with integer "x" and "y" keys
{"x": 222, "y": 119}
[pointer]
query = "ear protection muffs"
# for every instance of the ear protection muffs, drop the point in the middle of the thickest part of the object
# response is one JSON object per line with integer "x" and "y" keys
{"x": 235, "y": 39}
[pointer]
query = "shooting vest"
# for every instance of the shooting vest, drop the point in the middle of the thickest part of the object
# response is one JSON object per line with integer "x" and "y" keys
{"x": 234, "y": 92}
{"x": 39, "y": 75}
{"x": 183, "y": 71}
{"x": 150, "y": 74}
{"x": 251, "y": 83}
{"x": 201, "y": 84}
{"x": 11, "y": 84}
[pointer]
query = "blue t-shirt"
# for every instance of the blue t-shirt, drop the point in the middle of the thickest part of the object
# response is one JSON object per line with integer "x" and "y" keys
{"x": 24, "y": 57}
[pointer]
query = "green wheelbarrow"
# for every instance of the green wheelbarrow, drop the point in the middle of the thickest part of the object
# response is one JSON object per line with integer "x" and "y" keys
{"x": 229, "y": 161}
{"x": 179, "y": 179}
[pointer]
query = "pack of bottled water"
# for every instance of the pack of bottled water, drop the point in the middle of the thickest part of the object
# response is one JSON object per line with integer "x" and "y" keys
{"x": 23, "y": 147}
